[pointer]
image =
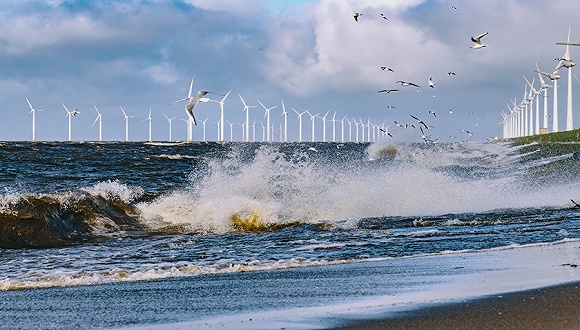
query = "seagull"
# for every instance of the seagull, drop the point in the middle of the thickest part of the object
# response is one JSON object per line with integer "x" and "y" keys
{"x": 390, "y": 106}
{"x": 75, "y": 112}
{"x": 404, "y": 83}
{"x": 387, "y": 68}
{"x": 477, "y": 41}
{"x": 356, "y": 16}
{"x": 575, "y": 204}
{"x": 385, "y": 131}
{"x": 433, "y": 113}
{"x": 420, "y": 122}
{"x": 388, "y": 90}
{"x": 385, "y": 17}
{"x": 450, "y": 111}
{"x": 451, "y": 73}
{"x": 454, "y": 8}
{"x": 431, "y": 83}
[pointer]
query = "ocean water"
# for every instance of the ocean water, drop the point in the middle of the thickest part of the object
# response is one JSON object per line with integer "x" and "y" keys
{"x": 98, "y": 213}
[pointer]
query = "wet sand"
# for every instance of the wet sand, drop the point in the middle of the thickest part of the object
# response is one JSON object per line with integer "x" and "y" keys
{"x": 555, "y": 307}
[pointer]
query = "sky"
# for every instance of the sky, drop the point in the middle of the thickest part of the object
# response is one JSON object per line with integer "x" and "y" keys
{"x": 311, "y": 54}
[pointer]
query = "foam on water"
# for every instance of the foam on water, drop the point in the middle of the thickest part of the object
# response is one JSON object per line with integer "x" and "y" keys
{"x": 277, "y": 188}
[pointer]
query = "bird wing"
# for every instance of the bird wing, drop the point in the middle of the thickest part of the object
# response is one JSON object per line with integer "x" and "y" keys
{"x": 478, "y": 38}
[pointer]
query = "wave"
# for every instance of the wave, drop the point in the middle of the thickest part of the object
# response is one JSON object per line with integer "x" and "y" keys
{"x": 50, "y": 220}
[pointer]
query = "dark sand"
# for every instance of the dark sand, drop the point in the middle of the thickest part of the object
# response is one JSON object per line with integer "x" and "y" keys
{"x": 555, "y": 307}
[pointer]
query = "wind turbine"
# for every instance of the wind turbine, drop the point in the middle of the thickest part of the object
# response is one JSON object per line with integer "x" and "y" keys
{"x": 203, "y": 123}
{"x": 221, "y": 122}
{"x": 536, "y": 93}
{"x": 126, "y": 120}
{"x": 312, "y": 117}
{"x": 150, "y": 121}
{"x": 231, "y": 130}
{"x": 285, "y": 114}
{"x": 333, "y": 120}
{"x": 554, "y": 78}
{"x": 267, "y": 116}
{"x": 299, "y": 124}
{"x": 169, "y": 121}
{"x": 69, "y": 114}
{"x": 567, "y": 63}
{"x": 247, "y": 110}
{"x": 324, "y": 126}
{"x": 100, "y": 120}
{"x": 356, "y": 130}
{"x": 544, "y": 87}
{"x": 33, "y": 112}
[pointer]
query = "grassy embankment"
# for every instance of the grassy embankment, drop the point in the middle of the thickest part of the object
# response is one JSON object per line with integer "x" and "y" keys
{"x": 544, "y": 146}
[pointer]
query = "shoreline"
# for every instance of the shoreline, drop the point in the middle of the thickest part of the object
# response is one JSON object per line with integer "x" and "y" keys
{"x": 365, "y": 295}
{"x": 553, "y": 307}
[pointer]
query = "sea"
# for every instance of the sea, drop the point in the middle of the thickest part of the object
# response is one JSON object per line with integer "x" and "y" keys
{"x": 96, "y": 216}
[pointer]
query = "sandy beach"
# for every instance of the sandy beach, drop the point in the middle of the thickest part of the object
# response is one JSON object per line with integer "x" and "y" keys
{"x": 553, "y": 307}
{"x": 468, "y": 290}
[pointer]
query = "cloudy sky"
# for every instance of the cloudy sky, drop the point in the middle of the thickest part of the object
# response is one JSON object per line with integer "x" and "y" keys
{"x": 141, "y": 55}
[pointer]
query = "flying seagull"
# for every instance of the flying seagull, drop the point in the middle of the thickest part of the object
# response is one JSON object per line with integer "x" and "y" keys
{"x": 431, "y": 83}
{"x": 383, "y": 16}
{"x": 420, "y": 122}
{"x": 477, "y": 41}
{"x": 356, "y": 16}
{"x": 388, "y": 90}
{"x": 433, "y": 113}
{"x": 404, "y": 83}
{"x": 454, "y": 8}
{"x": 451, "y": 73}
{"x": 390, "y": 107}
{"x": 387, "y": 68}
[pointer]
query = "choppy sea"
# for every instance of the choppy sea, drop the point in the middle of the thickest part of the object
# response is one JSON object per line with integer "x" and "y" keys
{"x": 77, "y": 214}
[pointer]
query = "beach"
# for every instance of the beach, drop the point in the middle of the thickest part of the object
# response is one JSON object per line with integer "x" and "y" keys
{"x": 554, "y": 307}
{"x": 454, "y": 290}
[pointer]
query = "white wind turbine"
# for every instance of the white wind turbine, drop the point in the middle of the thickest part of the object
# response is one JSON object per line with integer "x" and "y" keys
{"x": 324, "y": 126}
{"x": 33, "y": 113}
{"x": 69, "y": 114}
{"x": 312, "y": 117}
{"x": 267, "y": 116}
{"x": 247, "y": 110}
{"x": 126, "y": 120}
{"x": 349, "y": 129}
{"x": 100, "y": 120}
{"x": 544, "y": 87}
{"x": 333, "y": 120}
{"x": 203, "y": 123}
{"x": 221, "y": 122}
{"x": 285, "y": 114}
{"x": 568, "y": 63}
{"x": 536, "y": 95}
{"x": 231, "y": 130}
{"x": 362, "y": 125}
{"x": 169, "y": 121}
{"x": 299, "y": 124}
{"x": 356, "y": 129}
{"x": 342, "y": 129}
{"x": 554, "y": 78}
{"x": 150, "y": 122}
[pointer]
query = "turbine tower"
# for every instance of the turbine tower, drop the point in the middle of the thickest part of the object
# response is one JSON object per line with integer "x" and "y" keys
{"x": 100, "y": 120}
{"x": 568, "y": 63}
{"x": 169, "y": 121}
{"x": 33, "y": 113}
{"x": 324, "y": 126}
{"x": 285, "y": 114}
{"x": 312, "y": 117}
{"x": 150, "y": 121}
{"x": 554, "y": 78}
{"x": 544, "y": 87}
{"x": 299, "y": 124}
{"x": 126, "y": 120}
{"x": 267, "y": 116}
{"x": 221, "y": 122}
{"x": 247, "y": 110}
{"x": 69, "y": 114}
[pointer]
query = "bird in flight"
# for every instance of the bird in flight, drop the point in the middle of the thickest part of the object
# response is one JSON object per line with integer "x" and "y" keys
{"x": 405, "y": 83}
{"x": 383, "y": 16}
{"x": 454, "y": 8}
{"x": 433, "y": 113}
{"x": 388, "y": 90}
{"x": 451, "y": 73}
{"x": 387, "y": 68}
{"x": 356, "y": 16}
{"x": 390, "y": 107}
{"x": 477, "y": 41}
{"x": 431, "y": 83}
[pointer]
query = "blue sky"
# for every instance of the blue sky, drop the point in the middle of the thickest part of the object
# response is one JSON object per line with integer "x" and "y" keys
{"x": 141, "y": 55}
